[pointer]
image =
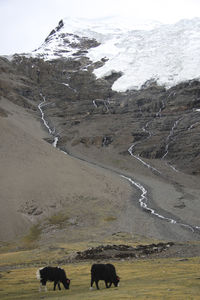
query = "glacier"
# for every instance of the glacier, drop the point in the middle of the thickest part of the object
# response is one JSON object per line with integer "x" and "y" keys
{"x": 143, "y": 51}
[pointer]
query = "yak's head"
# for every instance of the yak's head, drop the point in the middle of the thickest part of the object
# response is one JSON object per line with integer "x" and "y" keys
{"x": 116, "y": 282}
{"x": 66, "y": 283}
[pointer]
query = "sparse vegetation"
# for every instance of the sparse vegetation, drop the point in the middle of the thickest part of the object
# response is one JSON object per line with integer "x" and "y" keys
{"x": 110, "y": 219}
{"x": 32, "y": 236}
{"x": 58, "y": 219}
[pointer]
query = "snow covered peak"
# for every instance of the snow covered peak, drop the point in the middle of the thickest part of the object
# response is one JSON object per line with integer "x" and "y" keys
{"x": 141, "y": 50}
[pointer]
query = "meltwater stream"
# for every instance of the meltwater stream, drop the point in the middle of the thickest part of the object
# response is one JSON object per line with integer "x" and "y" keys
{"x": 143, "y": 200}
{"x": 145, "y": 129}
{"x": 143, "y": 203}
{"x": 52, "y": 132}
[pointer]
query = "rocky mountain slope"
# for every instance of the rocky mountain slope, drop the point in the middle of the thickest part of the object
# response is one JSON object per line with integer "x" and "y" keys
{"x": 86, "y": 113}
{"x": 153, "y": 130}
{"x": 41, "y": 186}
{"x": 156, "y": 121}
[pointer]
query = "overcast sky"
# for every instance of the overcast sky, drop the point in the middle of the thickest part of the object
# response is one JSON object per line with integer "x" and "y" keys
{"x": 24, "y": 24}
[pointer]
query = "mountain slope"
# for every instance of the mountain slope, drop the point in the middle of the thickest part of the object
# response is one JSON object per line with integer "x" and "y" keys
{"x": 38, "y": 181}
{"x": 158, "y": 64}
{"x": 149, "y": 134}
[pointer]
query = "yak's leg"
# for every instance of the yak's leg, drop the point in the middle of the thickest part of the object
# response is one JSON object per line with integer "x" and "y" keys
{"x": 55, "y": 283}
{"x": 108, "y": 284}
{"x": 96, "y": 281}
{"x": 40, "y": 288}
{"x": 91, "y": 284}
{"x": 43, "y": 283}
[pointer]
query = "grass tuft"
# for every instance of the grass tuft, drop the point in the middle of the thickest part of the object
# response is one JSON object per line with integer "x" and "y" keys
{"x": 58, "y": 219}
{"x": 110, "y": 219}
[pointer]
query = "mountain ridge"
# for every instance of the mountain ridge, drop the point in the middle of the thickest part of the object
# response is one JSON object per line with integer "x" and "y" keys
{"x": 166, "y": 53}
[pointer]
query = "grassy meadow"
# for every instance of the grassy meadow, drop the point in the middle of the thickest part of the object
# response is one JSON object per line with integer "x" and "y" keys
{"x": 171, "y": 278}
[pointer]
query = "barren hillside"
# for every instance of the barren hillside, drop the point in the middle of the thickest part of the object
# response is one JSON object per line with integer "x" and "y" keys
{"x": 38, "y": 180}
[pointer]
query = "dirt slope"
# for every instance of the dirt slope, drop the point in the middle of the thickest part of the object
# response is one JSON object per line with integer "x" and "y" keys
{"x": 85, "y": 202}
{"x": 38, "y": 180}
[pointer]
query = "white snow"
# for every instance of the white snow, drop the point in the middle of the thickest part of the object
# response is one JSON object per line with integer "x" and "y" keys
{"x": 141, "y": 50}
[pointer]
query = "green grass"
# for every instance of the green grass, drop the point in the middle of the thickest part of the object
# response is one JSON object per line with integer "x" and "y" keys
{"x": 145, "y": 279}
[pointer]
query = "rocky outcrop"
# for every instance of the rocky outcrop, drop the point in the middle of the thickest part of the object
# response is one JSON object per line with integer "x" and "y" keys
{"x": 122, "y": 251}
{"x": 16, "y": 86}
{"x": 60, "y": 25}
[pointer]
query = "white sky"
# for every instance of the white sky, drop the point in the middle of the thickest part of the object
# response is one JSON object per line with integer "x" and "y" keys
{"x": 24, "y": 24}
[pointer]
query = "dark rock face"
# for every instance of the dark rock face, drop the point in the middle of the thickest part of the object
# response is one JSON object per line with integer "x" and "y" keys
{"x": 87, "y": 113}
{"x": 60, "y": 25}
{"x": 122, "y": 251}
{"x": 16, "y": 87}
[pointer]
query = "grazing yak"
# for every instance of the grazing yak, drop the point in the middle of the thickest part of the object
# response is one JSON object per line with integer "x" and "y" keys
{"x": 55, "y": 274}
{"x": 104, "y": 272}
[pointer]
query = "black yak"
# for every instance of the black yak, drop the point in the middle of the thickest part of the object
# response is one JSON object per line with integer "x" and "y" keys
{"x": 104, "y": 272}
{"x": 55, "y": 274}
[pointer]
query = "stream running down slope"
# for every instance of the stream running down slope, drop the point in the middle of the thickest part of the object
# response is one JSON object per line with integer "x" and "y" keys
{"x": 51, "y": 132}
{"x": 143, "y": 200}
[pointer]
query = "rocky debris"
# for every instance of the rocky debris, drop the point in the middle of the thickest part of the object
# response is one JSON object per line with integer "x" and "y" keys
{"x": 107, "y": 140}
{"x": 16, "y": 87}
{"x": 98, "y": 141}
{"x": 113, "y": 77}
{"x": 30, "y": 208}
{"x": 122, "y": 251}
